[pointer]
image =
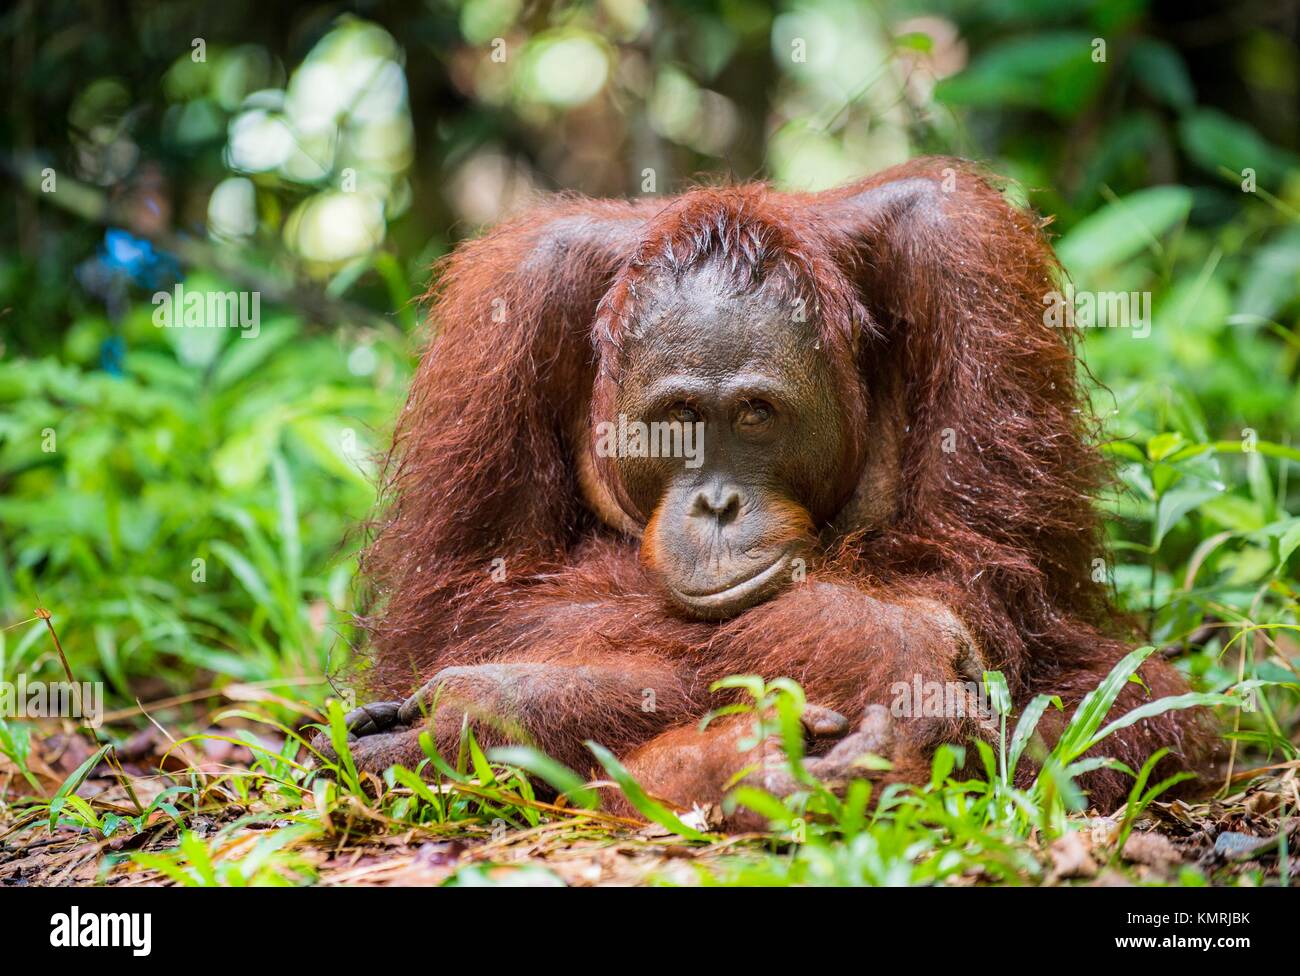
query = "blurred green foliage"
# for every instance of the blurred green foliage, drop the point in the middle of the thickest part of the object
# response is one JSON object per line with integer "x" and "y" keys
{"x": 324, "y": 158}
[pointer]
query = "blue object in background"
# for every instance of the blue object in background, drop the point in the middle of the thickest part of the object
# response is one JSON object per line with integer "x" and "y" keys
{"x": 111, "y": 353}
{"x": 136, "y": 259}
{"x": 124, "y": 261}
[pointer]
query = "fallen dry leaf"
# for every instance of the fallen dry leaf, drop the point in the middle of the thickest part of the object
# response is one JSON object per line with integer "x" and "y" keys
{"x": 1072, "y": 857}
{"x": 1153, "y": 850}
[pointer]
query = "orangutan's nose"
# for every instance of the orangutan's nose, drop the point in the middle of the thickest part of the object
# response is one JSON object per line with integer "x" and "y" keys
{"x": 719, "y": 501}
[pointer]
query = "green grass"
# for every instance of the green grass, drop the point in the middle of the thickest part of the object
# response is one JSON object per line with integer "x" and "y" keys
{"x": 280, "y": 812}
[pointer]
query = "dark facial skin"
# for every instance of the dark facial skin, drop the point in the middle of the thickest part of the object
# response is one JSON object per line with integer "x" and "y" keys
{"x": 723, "y": 536}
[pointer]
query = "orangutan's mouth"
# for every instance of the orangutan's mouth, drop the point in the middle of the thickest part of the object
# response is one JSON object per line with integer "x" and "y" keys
{"x": 737, "y": 596}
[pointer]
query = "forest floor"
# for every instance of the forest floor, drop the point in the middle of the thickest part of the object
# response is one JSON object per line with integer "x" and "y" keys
{"x": 225, "y": 807}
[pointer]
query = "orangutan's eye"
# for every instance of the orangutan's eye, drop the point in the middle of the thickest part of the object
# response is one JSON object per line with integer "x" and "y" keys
{"x": 682, "y": 414}
{"x": 754, "y": 415}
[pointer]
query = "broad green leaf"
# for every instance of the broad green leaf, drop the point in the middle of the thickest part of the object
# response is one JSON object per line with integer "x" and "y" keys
{"x": 1177, "y": 503}
{"x": 1214, "y": 140}
{"x": 1122, "y": 230}
{"x": 1163, "y": 445}
{"x": 999, "y": 694}
{"x": 1052, "y": 70}
{"x": 1160, "y": 69}
{"x": 1079, "y": 732}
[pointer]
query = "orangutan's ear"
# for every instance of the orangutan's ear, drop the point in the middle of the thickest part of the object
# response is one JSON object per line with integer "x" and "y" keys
{"x": 591, "y": 484}
{"x": 874, "y": 502}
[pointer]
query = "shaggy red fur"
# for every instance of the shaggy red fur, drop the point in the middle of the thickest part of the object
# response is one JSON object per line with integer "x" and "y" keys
{"x": 938, "y": 296}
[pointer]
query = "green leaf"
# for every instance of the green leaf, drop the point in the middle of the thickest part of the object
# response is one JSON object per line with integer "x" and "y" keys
{"x": 338, "y": 734}
{"x": 287, "y": 510}
{"x": 763, "y": 803}
{"x": 72, "y": 782}
{"x": 751, "y": 683}
{"x": 1234, "y": 512}
{"x": 196, "y": 852}
{"x": 999, "y": 694}
{"x": 988, "y": 759}
{"x": 1123, "y": 229}
{"x": 1052, "y": 70}
{"x": 1025, "y": 727}
{"x": 262, "y": 853}
{"x": 1138, "y": 801}
{"x": 482, "y": 768}
{"x": 1171, "y": 703}
{"x": 242, "y": 460}
{"x": 166, "y": 866}
{"x": 244, "y": 571}
{"x": 1272, "y": 277}
{"x": 243, "y": 357}
{"x": 1177, "y": 503}
{"x": 1289, "y": 542}
{"x": 1214, "y": 140}
{"x": 337, "y": 446}
{"x": 1160, "y": 69}
{"x": 417, "y": 785}
{"x": 946, "y": 758}
{"x": 83, "y": 810}
{"x": 561, "y": 777}
{"x": 1079, "y": 734}
{"x": 1163, "y": 445}
{"x": 1124, "y": 450}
